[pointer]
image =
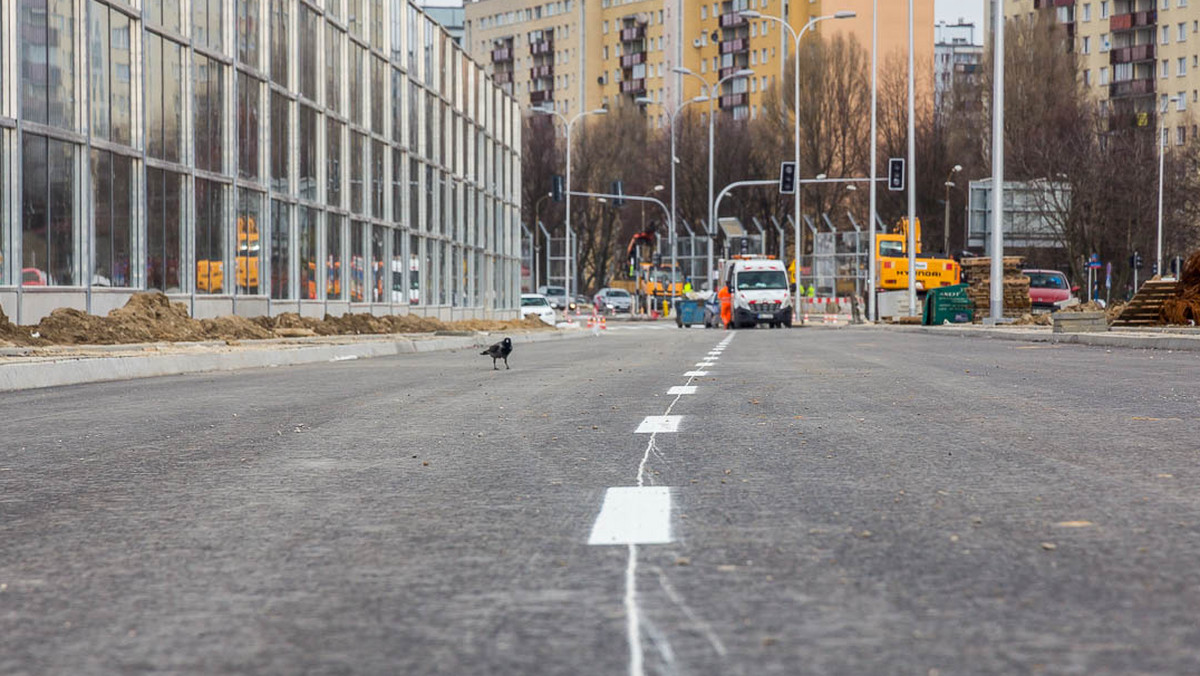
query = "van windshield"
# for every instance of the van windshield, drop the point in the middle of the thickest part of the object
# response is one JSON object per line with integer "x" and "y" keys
{"x": 761, "y": 279}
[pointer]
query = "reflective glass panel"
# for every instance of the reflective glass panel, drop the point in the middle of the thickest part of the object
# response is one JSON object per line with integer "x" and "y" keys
{"x": 279, "y": 142}
{"x": 333, "y": 67}
{"x": 209, "y": 88}
{"x": 248, "y": 113}
{"x": 308, "y": 152}
{"x": 379, "y": 273}
{"x": 248, "y": 255}
{"x": 248, "y": 32}
{"x": 307, "y": 250}
{"x": 333, "y": 162}
{"x": 357, "y": 159}
{"x": 280, "y": 251}
{"x": 358, "y": 271}
{"x": 333, "y": 257}
{"x": 306, "y": 46}
{"x": 164, "y": 204}
{"x": 279, "y": 41}
{"x": 209, "y": 245}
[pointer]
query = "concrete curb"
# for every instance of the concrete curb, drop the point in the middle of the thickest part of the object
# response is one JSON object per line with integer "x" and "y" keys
{"x": 1156, "y": 341}
{"x": 249, "y": 354}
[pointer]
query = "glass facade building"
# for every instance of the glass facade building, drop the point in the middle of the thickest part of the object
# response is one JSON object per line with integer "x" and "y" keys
{"x": 252, "y": 157}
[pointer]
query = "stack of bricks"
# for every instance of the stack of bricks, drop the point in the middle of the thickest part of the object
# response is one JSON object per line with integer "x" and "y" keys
{"x": 978, "y": 274}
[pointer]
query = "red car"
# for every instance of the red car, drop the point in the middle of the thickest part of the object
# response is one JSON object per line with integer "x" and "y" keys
{"x": 1047, "y": 287}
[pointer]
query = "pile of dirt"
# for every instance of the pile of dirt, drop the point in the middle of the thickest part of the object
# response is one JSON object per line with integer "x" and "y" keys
{"x": 152, "y": 317}
{"x": 1028, "y": 319}
{"x": 1184, "y": 308}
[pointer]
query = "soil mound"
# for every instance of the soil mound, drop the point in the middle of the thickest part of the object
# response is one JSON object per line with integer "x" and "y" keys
{"x": 234, "y": 328}
{"x": 1185, "y": 307}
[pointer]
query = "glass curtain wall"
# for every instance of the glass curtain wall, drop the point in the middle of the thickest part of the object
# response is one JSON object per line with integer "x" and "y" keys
{"x": 254, "y": 147}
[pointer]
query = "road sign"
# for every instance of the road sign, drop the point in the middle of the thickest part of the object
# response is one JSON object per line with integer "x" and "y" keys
{"x": 787, "y": 178}
{"x": 896, "y": 174}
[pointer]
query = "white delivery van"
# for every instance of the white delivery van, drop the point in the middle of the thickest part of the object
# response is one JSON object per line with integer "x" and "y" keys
{"x": 758, "y": 291}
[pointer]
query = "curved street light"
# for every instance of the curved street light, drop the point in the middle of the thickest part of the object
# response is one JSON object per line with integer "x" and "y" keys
{"x": 796, "y": 37}
{"x": 568, "y": 124}
{"x": 709, "y": 90}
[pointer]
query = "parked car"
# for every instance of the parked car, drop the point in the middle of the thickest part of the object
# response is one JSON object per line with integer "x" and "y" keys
{"x": 613, "y": 300}
{"x": 536, "y": 304}
{"x": 557, "y": 295}
{"x": 1047, "y": 287}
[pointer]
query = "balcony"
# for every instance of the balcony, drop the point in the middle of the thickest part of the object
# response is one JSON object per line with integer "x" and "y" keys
{"x": 502, "y": 76}
{"x": 1124, "y": 22}
{"x": 733, "y": 100}
{"x": 735, "y": 46}
{"x": 729, "y": 70}
{"x": 631, "y": 60}
{"x": 633, "y": 33}
{"x": 1126, "y": 88}
{"x": 732, "y": 19}
{"x": 1132, "y": 54}
{"x": 541, "y": 71}
{"x": 502, "y": 55}
{"x": 539, "y": 96}
{"x": 633, "y": 86}
{"x": 541, "y": 47}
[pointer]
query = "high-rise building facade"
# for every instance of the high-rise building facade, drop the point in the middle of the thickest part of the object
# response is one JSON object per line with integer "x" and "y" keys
{"x": 582, "y": 54}
{"x": 1139, "y": 58}
{"x": 956, "y": 56}
{"x": 252, "y": 156}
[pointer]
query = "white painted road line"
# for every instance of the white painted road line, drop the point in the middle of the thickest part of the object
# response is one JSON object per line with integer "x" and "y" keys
{"x": 682, "y": 389}
{"x": 634, "y": 515}
{"x": 653, "y": 424}
{"x": 704, "y": 364}
{"x": 696, "y": 374}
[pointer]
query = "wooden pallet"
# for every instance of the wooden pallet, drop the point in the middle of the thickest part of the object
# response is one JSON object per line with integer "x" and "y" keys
{"x": 1146, "y": 307}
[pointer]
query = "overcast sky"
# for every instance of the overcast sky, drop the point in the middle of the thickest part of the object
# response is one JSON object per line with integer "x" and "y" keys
{"x": 953, "y": 10}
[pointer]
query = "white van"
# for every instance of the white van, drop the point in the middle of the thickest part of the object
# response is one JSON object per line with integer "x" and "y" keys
{"x": 758, "y": 291}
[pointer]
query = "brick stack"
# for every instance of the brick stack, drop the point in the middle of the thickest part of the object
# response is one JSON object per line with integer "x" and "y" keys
{"x": 977, "y": 272}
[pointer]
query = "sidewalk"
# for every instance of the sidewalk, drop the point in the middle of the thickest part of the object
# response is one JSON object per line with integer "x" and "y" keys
{"x": 1181, "y": 338}
{"x": 24, "y": 368}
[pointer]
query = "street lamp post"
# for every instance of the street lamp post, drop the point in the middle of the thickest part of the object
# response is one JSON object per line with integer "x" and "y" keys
{"x": 711, "y": 227}
{"x": 796, "y": 37}
{"x": 946, "y": 223}
{"x": 568, "y": 124}
{"x": 671, "y": 115}
{"x": 537, "y": 221}
{"x": 1162, "y": 133}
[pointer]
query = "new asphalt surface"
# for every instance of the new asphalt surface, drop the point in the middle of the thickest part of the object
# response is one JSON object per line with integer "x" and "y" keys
{"x": 842, "y": 502}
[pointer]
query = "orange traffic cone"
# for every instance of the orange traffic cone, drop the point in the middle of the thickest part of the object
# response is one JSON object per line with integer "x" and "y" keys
{"x": 603, "y": 323}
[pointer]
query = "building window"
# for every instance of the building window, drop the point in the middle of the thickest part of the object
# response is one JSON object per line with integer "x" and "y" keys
{"x": 1104, "y": 75}
{"x": 356, "y": 83}
{"x": 333, "y": 257}
{"x": 279, "y": 42}
{"x": 1166, "y": 34}
{"x": 307, "y": 138}
{"x": 333, "y": 162}
{"x": 1087, "y": 77}
{"x": 306, "y": 48}
{"x": 164, "y": 13}
{"x": 1181, "y": 101}
{"x": 210, "y": 249}
{"x": 333, "y": 68}
{"x": 358, "y": 244}
{"x": 357, "y": 158}
{"x": 1087, "y": 45}
{"x": 1165, "y": 68}
{"x": 281, "y": 252}
{"x": 48, "y": 212}
{"x": 1181, "y": 32}
{"x": 307, "y": 229}
{"x": 112, "y": 218}
{"x": 206, "y": 24}
{"x": 48, "y": 61}
{"x": 1105, "y": 43}
{"x": 1181, "y": 66}
{"x": 248, "y": 33}
{"x": 248, "y": 118}
{"x": 248, "y": 256}
{"x": 1087, "y": 11}
{"x": 279, "y": 142}
{"x": 1104, "y": 9}
{"x": 209, "y": 106}
{"x": 111, "y": 75}
{"x": 378, "y": 96}
{"x": 378, "y": 179}
{"x": 164, "y": 218}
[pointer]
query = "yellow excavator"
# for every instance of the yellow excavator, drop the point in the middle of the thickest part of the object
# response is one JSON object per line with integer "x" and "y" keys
{"x": 891, "y": 252}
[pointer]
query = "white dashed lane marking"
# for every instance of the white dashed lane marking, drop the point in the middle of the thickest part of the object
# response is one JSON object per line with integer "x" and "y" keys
{"x": 682, "y": 389}
{"x": 633, "y": 515}
{"x": 654, "y": 424}
{"x": 696, "y": 374}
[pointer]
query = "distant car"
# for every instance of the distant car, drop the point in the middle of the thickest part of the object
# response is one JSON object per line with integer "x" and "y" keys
{"x": 613, "y": 300}
{"x": 536, "y": 304}
{"x": 557, "y": 295}
{"x": 1047, "y": 287}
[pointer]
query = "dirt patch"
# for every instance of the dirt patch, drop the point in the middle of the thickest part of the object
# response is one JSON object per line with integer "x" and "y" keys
{"x": 1028, "y": 319}
{"x": 152, "y": 317}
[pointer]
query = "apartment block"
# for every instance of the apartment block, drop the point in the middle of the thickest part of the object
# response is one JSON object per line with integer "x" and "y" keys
{"x": 956, "y": 56}
{"x": 1140, "y": 58}
{"x": 581, "y": 54}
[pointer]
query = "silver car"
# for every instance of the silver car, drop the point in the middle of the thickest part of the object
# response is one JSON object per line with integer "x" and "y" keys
{"x": 557, "y": 295}
{"x": 613, "y": 300}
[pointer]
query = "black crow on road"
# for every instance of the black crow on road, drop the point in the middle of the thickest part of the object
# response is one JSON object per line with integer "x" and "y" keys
{"x": 500, "y": 350}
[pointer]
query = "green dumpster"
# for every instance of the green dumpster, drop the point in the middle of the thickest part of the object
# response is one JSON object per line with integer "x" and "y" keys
{"x": 948, "y": 305}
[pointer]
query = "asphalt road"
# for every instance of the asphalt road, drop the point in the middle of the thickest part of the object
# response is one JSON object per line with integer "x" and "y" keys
{"x": 841, "y": 502}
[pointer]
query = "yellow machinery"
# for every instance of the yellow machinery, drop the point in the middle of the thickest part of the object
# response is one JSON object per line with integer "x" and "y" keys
{"x": 210, "y": 274}
{"x": 891, "y": 251}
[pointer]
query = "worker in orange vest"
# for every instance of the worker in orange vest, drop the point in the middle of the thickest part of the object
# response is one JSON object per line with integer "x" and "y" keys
{"x": 726, "y": 306}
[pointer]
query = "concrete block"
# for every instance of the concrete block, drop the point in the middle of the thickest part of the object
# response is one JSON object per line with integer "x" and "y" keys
{"x": 1080, "y": 322}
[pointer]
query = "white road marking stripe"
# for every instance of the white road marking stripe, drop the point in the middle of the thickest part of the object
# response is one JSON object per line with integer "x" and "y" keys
{"x": 682, "y": 389}
{"x": 634, "y": 515}
{"x": 653, "y": 424}
{"x": 704, "y": 364}
{"x": 696, "y": 374}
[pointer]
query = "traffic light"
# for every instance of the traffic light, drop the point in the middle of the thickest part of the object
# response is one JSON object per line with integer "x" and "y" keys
{"x": 618, "y": 188}
{"x": 896, "y": 174}
{"x": 556, "y": 187}
{"x": 1135, "y": 261}
{"x": 787, "y": 178}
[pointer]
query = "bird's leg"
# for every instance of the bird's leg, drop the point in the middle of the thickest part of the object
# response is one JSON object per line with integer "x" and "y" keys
{"x": 506, "y": 362}
{"x": 494, "y": 364}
